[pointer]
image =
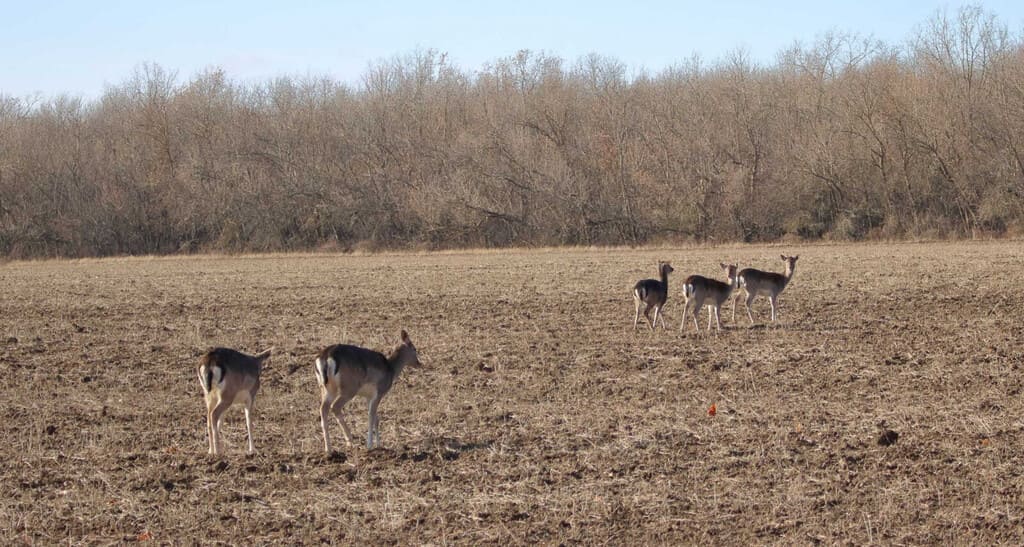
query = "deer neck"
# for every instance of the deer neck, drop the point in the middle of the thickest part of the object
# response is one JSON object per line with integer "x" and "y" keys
{"x": 397, "y": 361}
{"x": 734, "y": 283}
{"x": 664, "y": 280}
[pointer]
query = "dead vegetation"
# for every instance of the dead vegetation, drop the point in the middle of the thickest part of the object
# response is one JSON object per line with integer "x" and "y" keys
{"x": 540, "y": 415}
{"x": 841, "y": 138}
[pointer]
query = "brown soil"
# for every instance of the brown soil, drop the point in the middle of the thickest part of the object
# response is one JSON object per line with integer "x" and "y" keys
{"x": 541, "y": 416}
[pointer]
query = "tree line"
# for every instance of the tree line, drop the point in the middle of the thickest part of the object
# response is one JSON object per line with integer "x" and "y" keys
{"x": 845, "y": 138}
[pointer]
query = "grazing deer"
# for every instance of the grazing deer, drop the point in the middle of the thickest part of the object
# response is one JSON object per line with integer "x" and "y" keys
{"x": 770, "y": 284}
{"x": 653, "y": 293}
{"x": 700, "y": 291}
{"x": 229, "y": 377}
{"x": 345, "y": 371}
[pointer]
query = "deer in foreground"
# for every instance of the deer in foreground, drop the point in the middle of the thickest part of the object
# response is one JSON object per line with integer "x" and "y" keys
{"x": 653, "y": 294}
{"x": 345, "y": 371}
{"x": 770, "y": 284}
{"x": 229, "y": 377}
{"x": 700, "y": 291}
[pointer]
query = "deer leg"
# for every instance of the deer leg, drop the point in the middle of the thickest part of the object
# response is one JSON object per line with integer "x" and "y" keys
{"x": 636, "y": 318}
{"x": 771, "y": 299}
{"x": 340, "y": 417}
{"x": 216, "y": 415}
{"x": 325, "y": 407}
{"x": 735, "y": 302}
{"x": 718, "y": 318}
{"x": 750, "y": 298}
{"x": 248, "y": 426}
{"x": 209, "y": 423}
{"x": 372, "y": 433}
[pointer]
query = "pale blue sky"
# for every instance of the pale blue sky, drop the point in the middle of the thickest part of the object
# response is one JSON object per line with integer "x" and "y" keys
{"x": 52, "y": 47}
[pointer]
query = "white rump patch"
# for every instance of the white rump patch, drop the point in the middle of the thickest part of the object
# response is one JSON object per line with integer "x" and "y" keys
{"x": 216, "y": 377}
{"x": 321, "y": 373}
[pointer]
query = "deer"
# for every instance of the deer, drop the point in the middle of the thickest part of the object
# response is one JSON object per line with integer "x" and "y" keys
{"x": 229, "y": 377}
{"x": 653, "y": 293}
{"x": 700, "y": 291}
{"x": 344, "y": 371}
{"x": 770, "y": 284}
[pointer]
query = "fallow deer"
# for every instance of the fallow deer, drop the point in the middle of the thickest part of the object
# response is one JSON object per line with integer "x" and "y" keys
{"x": 653, "y": 293}
{"x": 770, "y": 284}
{"x": 700, "y": 291}
{"x": 345, "y": 371}
{"x": 229, "y": 377}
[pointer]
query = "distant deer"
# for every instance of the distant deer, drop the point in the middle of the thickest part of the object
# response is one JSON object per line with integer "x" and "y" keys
{"x": 345, "y": 371}
{"x": 653, "y": 293}
{"x": 770, "y": 284}
{"x": 700, "y": 291}
{"x": 229, "y": 377}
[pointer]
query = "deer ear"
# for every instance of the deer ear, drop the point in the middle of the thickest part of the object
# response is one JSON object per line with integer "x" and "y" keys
{"x": 265, "y": 354}
{"x": 405, "y": 337}
{"x": 783, "y": 257}
{"x": 722, "y": 264}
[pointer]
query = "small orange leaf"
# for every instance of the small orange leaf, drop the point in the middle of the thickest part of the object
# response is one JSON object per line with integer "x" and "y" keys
{"x": 145, "y": 536}
{"x": 712, "y": 410}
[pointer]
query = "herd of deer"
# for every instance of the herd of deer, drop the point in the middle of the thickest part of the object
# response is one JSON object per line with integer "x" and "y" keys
{"x": 700, "y": 291}
{"x": 230, "y": 377}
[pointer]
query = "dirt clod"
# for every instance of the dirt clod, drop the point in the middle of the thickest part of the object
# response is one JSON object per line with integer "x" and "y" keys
{"x": 888, "y": 438}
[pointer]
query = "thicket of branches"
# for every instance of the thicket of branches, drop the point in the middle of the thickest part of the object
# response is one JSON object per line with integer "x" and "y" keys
{"x": 843, "y": 138}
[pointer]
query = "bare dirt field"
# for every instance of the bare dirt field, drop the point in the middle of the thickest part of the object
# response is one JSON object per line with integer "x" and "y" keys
{"x": 541, "y": 416}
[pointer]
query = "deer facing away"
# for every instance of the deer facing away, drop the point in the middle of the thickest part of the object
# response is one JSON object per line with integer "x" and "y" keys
{"x": 652, "y": 293}
{"x": 770, "y": 284}
{"x": 701, "y": 291}
{"x": 345, "y": 371}
{"x": 229, "y": 377}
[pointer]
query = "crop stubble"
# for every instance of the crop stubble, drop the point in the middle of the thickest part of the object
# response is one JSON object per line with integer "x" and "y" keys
{"x": 541, "y": 416}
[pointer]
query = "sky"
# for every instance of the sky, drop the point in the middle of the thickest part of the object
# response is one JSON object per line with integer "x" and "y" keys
{"x": 78, "y": 48}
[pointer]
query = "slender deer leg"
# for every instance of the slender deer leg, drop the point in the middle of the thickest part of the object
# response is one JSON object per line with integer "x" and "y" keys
{"x": 771, "y": 299}
{"x": 659, "y": 314}
{"x": 248, "y": 426}
{"x": 216, "y": 416}
{"x": 735, "y": 302}
{"x": 750, "y": 298}
{"x": 711, "y": 316}
{"x": 718, "y": 319}
{"x": 695, "y": 312}
{"x": 325, "y": 408}
{"x": 339, "y": 415}
{"x": 636, "y": 318}
{"x": 210, "y": 405}
{"x": 372, "y": 435}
